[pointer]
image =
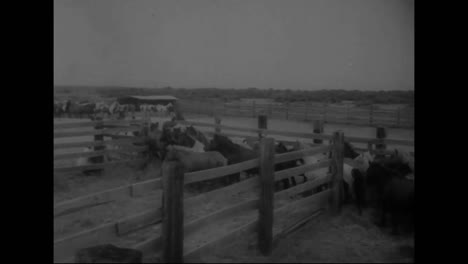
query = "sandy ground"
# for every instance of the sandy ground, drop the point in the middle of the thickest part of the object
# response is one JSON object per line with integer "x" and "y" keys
{"x": 347, "y": 238}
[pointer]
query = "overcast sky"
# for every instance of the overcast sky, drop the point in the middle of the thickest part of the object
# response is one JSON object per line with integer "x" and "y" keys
{"x": 280, "y": 44}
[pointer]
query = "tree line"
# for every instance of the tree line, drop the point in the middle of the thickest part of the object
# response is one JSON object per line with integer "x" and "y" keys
{"x": 287, "y": 95}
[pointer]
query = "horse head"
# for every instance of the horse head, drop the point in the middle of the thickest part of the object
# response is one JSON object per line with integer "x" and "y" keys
{"x": 349, "y": 151}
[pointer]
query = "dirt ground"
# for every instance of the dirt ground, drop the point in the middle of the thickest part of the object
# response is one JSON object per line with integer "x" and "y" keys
{"x": 347, "y": 238}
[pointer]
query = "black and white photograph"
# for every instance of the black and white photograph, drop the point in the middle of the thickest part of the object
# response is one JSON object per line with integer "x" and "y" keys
{"x": 233, "y": 131}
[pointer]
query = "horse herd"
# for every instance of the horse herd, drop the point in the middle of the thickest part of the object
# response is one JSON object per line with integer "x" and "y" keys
{"x": 114, "y": 109}
{"x": 380, "y": 182}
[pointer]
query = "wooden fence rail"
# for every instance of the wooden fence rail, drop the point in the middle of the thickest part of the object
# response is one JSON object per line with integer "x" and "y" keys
{"x": 327, "y": 113}
{"x": 173, "y": 205}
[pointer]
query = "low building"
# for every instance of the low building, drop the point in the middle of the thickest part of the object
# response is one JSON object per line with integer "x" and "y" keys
{"x": 151, "y": 99}
{"x": 257, "y": 101}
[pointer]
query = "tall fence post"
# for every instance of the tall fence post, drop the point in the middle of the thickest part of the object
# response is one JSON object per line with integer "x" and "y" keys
{"x": 253, "y": 108}
{"x": 262, "y": 124}
{"x": 398, "y": 116}
{"x": 318, "y": 129}
{"x": 224, "y": 108}
{"x": 267, "y": 161}
{"x": 173, "y": 213}
{"x": 370, "y": 114}
{"x": 217, "y": 124}
{"x": 347, "y": 114}
{"x": 100, "y": 138}
{"x": 381, "y": 134}
{"x": 337, "y": 171}
{"x": 324, "y": 115}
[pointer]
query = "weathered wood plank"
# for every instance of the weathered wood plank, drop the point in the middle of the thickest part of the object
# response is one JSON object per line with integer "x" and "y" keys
{"x": 132, "y": 223}
{"x": 94, "y": 123}
{"x": 283, "y": 174}
{"x": 225, "y": 213}
{"x": 220, "y": 171}
{"x": 93, "y": 166}
{"x": 267, "y": 168}
{"x": 144, "y": 187}
{"x": 95, "y": 132}
{"x": 91, "y": 200}
{"x": 218, "y": 194}
{"x": 298, "y": 189}
{"x": 129, "y": 140}
{"x": 279, "y": 158}
{"x": 173, "y": 213}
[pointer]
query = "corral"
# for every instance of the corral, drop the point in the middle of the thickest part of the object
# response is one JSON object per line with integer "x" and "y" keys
{"x": 212, "y": 219}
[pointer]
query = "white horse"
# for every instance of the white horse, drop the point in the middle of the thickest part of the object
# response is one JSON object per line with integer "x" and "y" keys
{"x": 114, "y": 107}
{"x": 197, "y": 147}
{"x": 361, "y": 163}
{"x": 312, "y": 159}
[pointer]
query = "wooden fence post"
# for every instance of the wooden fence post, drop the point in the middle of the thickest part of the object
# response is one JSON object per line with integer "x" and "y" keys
{"x": 398, "y": 116}
{"x": 265, "y": 227}
{"x": 100, "y": 138}
{"x": 337, "y": 171}
{"x": 262, "y": 124}
{"x": 381, "y": 133}
{"x": 253, "y": 108}
{"x": 324, "y": 116}
{"x": 347, "y": 114}
{"x": 217, "y": 123}
{"x": 318, "y": 129}
{"x": 173, "y": 211}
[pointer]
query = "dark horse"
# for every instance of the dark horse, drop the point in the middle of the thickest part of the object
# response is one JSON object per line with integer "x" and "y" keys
{"x": 281, "y": 148}
{"x": 394, "y": 193}
{"x": 234, "y": 154}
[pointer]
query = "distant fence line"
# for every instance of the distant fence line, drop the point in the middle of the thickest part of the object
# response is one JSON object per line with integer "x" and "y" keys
{"x": 369, "y": 115}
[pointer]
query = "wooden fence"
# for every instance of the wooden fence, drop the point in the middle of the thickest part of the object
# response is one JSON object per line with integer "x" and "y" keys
{"x": 369, "y": 115}
{"x": 170, "y": 240}
{"x": 99, "y": 130}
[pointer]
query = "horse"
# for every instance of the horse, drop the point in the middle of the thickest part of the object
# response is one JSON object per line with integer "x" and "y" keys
{"x": 196, "y": 161}
{"x": 234, "y": 154}
{"x": 394, "y": 194}
{"x": 281, "y": 148}
{"x": 361, "y": 162}
{"x": 80, "y": 109}
{"x": 198, "y": 135}
{"x": 311, "y": 159}
{"x": 241, "y": 141}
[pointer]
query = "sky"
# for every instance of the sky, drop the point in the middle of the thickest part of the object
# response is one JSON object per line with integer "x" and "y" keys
{"x": 279, "y": 44}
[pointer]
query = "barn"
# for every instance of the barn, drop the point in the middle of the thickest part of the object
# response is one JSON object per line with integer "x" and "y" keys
{"x": 152, "y": 99}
